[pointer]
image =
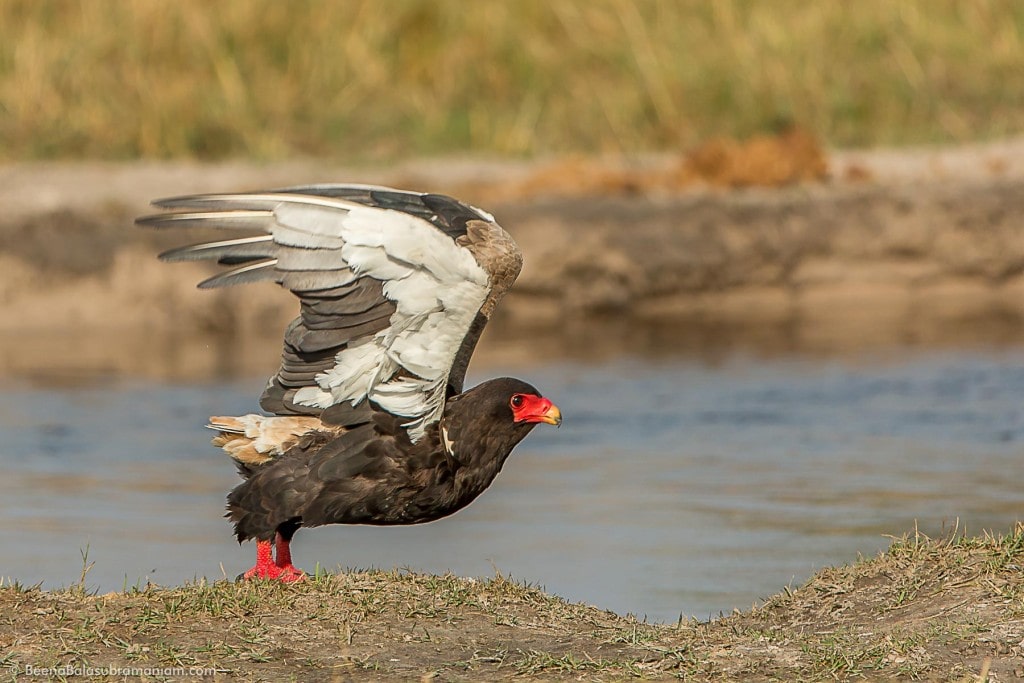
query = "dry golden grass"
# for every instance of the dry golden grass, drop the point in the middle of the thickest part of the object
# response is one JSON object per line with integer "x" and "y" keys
{"x": 369, "y": 80}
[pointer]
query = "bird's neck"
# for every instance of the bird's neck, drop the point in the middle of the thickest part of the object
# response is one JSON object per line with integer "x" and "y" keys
{"x": 476, "y": 457}
{"x": 476, "y": 441}
{"x": 471, "y": 478}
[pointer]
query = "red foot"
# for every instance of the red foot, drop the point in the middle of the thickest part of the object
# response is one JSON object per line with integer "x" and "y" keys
{"x": 266, "y": 568}
{"x": 287, "y": 574}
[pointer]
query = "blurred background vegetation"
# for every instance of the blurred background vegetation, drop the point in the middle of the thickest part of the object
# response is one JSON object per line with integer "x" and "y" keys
{"x": 373, "y": 80}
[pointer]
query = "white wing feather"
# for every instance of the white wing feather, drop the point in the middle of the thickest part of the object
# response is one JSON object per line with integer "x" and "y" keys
{"x": 324, "y": 241}
{"x": 437, "y": 287}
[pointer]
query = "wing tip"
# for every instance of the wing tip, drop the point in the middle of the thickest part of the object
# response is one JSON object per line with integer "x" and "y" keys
{"x": 220, "y": 250}
{"x": 153, "y": 220}
{"x": 251, "y": 272}
{"x": 183, "y": 200}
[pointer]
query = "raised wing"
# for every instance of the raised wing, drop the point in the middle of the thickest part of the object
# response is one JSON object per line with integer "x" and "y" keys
{"x": 395, "y": 288}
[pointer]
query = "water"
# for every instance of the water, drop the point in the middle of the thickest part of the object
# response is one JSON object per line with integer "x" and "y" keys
{"x": 673, "y": 487}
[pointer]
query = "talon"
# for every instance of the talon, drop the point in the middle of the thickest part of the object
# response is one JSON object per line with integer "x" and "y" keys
{"x": 290, "y": 574}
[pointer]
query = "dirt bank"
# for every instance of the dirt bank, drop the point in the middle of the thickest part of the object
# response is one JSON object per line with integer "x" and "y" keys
{"x": 919, "y": 247}
{"x": 948, "y": 610}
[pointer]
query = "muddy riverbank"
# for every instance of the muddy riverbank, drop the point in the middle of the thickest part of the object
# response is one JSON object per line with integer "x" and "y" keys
{"x": 920, "y": 247}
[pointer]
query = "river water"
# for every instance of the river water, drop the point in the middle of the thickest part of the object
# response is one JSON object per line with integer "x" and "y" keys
{"x": 675, "y": 486}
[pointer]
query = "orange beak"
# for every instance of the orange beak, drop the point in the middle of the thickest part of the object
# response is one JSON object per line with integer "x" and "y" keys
{"x": 552, "y": 416}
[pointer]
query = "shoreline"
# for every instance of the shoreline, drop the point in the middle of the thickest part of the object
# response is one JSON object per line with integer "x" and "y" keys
{"x": 916, "y": 247}
{"x": 934, "y": 609}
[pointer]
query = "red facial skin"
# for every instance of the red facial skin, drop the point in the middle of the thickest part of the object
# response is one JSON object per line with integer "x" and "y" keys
{"x": 533, "y": 408}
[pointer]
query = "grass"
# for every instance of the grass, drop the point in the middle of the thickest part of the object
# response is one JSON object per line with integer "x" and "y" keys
{"x": 961, "y": 622}
{"x": 365, "y": 80}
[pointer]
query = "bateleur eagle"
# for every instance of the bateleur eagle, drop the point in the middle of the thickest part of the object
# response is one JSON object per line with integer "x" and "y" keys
{"x": 369, "y": 422}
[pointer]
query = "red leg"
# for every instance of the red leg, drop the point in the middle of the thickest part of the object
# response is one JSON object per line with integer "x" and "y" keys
{"x": 284, "y": 561}
{"x": 266, "y": 568}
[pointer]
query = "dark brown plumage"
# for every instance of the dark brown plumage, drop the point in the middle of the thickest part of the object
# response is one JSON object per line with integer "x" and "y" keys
{"x": 370, "y": 422}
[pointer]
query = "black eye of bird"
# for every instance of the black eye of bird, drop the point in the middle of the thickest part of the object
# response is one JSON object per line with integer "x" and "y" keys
{"x": 517, "y": 401}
